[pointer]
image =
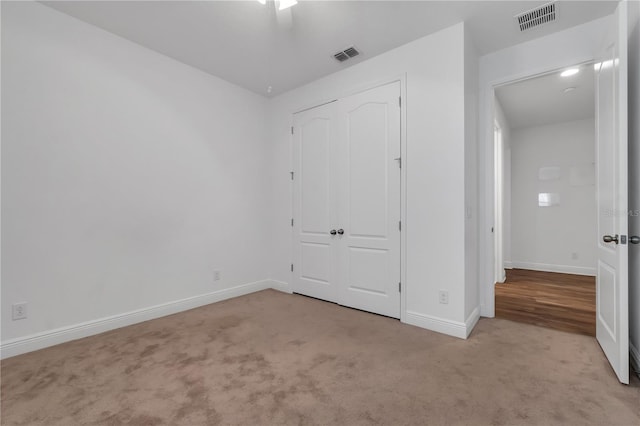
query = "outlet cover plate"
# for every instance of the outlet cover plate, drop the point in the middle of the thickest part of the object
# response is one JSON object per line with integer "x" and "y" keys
{"x": 19, "y": 311}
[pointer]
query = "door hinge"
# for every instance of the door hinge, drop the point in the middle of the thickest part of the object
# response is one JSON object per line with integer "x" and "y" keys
{"x": 291, "y": 221}
{"x": 399, "y": 225}
{"x": 399, "y": 160}
{"x": 292, "y": 267}
{"x": 291, "y": 175}
{"x": 400, "y": 101}
{"x": 291, "y": 129}
{"x": 399, "y": 287}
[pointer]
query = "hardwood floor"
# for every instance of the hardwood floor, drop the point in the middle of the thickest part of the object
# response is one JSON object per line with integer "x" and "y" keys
{"x": 561, "y": 301}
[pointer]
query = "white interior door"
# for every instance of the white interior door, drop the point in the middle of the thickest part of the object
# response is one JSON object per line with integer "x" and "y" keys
{"x": 314, "y": 203}
{"x": 369, "y": 200}
{"x": 612, "y": 315}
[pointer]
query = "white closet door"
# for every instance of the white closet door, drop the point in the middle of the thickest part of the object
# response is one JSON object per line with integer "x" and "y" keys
{"x": 369, "y": 200}
{"x": 314, "y": 203}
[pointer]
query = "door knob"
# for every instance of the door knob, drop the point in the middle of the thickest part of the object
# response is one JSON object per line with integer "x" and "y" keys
{"x": 340, "y": 231}
{"x": 610, "y": 239}
{"x": 332, "y": 232}
{"x": 634, "y": 239}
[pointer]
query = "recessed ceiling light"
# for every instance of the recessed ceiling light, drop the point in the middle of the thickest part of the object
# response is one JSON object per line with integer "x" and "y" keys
{"x": 570, "y": 72}
{"x": 569, "y": 89}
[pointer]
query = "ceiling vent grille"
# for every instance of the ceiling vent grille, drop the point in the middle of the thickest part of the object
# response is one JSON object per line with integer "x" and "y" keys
{"x": 348, "y": 53}
{"x": 341, "y": 56}
{"x": 351, "y": 52}
{"x": 536, "y": 17}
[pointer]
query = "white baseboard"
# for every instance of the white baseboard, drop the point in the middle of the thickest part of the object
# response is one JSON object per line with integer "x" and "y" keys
{"x": 635, "y": 358}
{"x": 471, "y": 321}
{"x": 281, "y": 286}
{"x": 444, "y": 326}
{"x": 45, "y": 339}
{"x": 547, "y": 267}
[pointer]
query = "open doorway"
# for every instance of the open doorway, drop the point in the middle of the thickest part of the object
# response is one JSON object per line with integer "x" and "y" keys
{"x": 545, "y": 200}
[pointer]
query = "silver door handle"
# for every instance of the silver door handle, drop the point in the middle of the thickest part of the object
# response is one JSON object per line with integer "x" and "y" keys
{"x": 610, "y": 239}
{"x": 634, "y": 239}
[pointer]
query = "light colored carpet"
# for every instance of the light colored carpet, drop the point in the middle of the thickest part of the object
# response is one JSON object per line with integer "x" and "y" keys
{"x": 271, "y": 358}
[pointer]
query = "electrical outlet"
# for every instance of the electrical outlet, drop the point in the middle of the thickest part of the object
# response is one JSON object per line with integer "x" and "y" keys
{"x": 574, "y": 256}
{"x": 443, "y": 297}
{"x": 19, "y": 311}
{"x": 216, "y": 275}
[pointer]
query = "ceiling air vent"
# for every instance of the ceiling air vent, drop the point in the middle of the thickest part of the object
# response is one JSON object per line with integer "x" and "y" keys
{"x": 351, "y": 52}
{"x": 538, "y": 16}
{"x": 341, "y": 56}
{"x": 346, "y": 54}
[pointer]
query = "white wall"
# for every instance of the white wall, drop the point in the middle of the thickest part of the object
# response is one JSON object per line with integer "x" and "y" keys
{"x": 544, "y": 238}
{"x": 433, "y": 164}
{"x": 575, "y": 45}
{"x": 127, "y": 177}
{"x": 472, "y": 291}
{"x": 634, "y": 180}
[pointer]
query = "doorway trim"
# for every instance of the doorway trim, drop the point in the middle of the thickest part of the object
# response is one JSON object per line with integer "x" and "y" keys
{"x": 487, "y": 172}
{"x": 340, "y": 94}
{"x": 498, "y": 208}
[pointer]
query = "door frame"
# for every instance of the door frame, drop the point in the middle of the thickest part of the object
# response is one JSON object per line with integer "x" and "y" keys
{"x": 402, "y": 79}
{"x": 498, "y": 184}
{"x": 488, "y": 214}
{"x": 574, "y": 45}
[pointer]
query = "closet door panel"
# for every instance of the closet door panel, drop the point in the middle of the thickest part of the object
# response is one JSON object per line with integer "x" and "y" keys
{"x": 368, "y": 168}
{"x": 314, "y": 204}
{"x": 369, "y": 200}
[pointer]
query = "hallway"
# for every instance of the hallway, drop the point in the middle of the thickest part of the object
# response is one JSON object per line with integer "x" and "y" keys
{"x": 559, "y": 301}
